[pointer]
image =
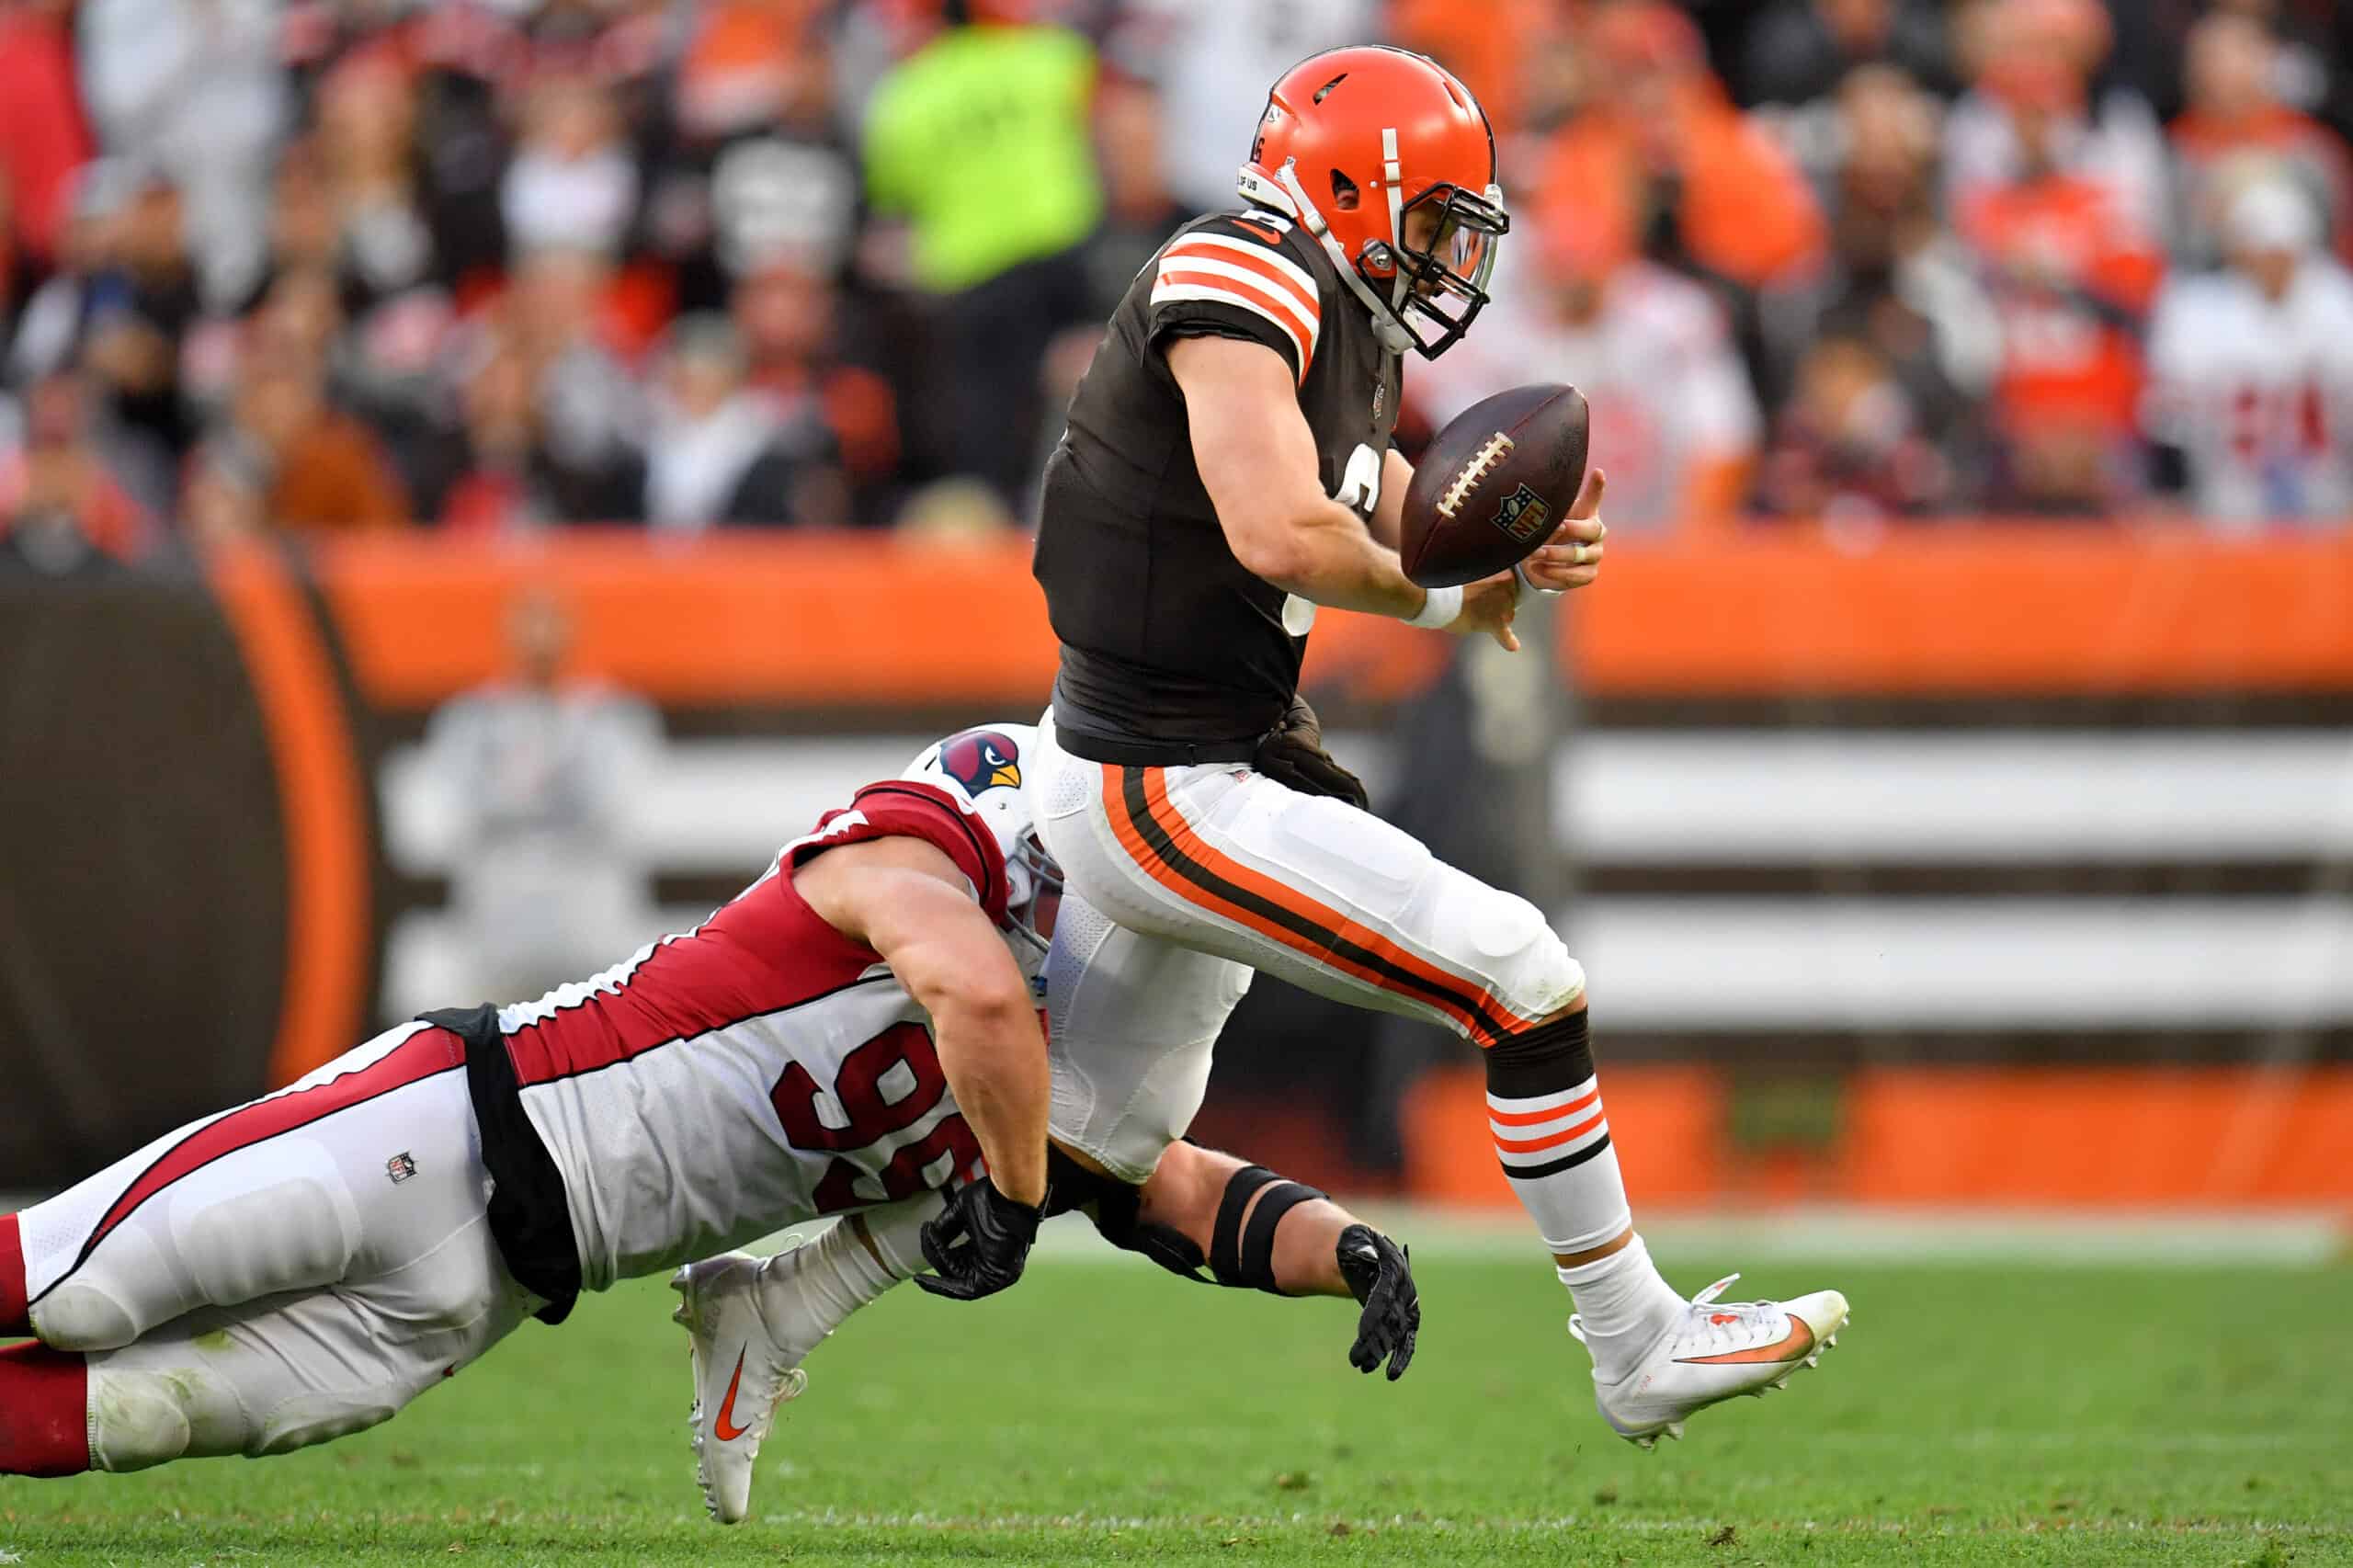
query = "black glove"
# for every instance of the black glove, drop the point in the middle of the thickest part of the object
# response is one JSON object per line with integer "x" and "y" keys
{"x": 1292, "y": 754}
{"x": 979, "y": 1243}
{"x": 1381, "y": 1275}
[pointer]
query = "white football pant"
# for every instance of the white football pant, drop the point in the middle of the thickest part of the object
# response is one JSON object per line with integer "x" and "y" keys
{"x": 284, "y": 1273}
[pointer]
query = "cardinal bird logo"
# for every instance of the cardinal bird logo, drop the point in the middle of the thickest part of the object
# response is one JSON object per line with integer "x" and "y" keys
{"x": 981, "y": 759}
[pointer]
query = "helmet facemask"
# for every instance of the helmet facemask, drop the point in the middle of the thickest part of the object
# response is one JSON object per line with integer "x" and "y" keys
{"x": 1032, "y": 902}
{"x": 1436, "y": 292}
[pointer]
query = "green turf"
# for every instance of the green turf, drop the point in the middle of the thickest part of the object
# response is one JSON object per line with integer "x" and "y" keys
{"x": 1108, "y": 1414}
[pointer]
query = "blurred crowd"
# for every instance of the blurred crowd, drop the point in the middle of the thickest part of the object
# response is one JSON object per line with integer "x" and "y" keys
{"x": 488, "y": 265}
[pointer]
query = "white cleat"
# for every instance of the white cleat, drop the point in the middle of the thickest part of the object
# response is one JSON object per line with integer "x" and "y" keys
{"x": 731, "y": 1307}
{"x": 1714, "y": 1351}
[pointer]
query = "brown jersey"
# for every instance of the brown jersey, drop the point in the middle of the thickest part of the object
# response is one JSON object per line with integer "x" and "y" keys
{"x": 1171, "y": 648}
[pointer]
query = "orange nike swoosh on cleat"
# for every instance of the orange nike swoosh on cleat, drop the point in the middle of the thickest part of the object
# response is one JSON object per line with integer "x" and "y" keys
{"x": 1789, "y": 1348}
{"x": 725, "y": 1426}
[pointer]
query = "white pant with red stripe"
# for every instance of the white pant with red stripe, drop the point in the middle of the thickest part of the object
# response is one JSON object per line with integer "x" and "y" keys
{"x": 284, "y": 1273}
{"x": 1221, "y": 860}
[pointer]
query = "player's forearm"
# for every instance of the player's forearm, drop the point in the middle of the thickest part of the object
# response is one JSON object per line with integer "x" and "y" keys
{"x": 1184, "y": 1195}
{"x": 907, "y": 901}
{"x": 1327, "y": 557}
{"x": 1307, "y": 1249}
{"x": 994, "y": 1059}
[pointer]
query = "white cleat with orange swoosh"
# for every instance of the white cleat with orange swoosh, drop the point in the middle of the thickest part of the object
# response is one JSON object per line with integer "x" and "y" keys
{"x": 1715, "y": 1350}
{"x": 743, "y": 1368}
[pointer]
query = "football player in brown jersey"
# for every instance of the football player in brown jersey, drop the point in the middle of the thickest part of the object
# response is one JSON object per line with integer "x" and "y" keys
{"x": 1227, "y": 473}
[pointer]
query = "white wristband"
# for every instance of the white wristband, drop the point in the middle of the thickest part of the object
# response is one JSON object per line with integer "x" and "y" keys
{"x": 1439, "y": 609}
{"x": 1520, "y": 572}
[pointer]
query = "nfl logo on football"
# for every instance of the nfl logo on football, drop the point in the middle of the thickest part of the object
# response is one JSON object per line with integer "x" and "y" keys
{"x": 1523, "y": 512}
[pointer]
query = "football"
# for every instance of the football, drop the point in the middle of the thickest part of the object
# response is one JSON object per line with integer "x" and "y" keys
{"x": 1494, "y": 484}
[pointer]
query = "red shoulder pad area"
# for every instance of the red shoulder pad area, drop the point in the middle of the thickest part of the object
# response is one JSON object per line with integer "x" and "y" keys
{"x": 902, "y": 808}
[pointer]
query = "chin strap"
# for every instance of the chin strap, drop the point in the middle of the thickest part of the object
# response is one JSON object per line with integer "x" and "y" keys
{"x": 1283, "y": 193}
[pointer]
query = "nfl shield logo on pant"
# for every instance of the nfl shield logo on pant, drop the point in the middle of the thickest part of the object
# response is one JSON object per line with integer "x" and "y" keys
{"x": 400, "y": 1168}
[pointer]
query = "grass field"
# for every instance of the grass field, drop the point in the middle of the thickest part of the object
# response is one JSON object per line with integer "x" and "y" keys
{"x": 1106, "y": 1413}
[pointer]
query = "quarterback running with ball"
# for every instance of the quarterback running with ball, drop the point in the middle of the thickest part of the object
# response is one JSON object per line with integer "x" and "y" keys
{"x": 855, "y": 1033}
{"x": 1226, "y": 471}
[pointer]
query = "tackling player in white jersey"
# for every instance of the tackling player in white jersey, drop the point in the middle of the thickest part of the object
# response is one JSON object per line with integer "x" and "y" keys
{"x": 1127, "y": 1080}
{"x": 854, "y": 1030}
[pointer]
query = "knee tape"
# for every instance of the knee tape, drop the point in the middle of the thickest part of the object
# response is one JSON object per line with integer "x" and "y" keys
{"x": 1241, "y": 1255}
{"x": 1244, "y": 1257}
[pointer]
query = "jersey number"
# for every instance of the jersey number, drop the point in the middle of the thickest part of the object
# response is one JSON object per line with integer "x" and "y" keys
{"x": 2290, "y": 421}
{"x": 1360, "y": 491}
{"x": 883, "y": 1087}
{"x": 1360, "y": 481}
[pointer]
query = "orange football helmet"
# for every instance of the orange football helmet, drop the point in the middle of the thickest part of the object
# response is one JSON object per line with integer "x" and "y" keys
{"x": 1353, "y": 143}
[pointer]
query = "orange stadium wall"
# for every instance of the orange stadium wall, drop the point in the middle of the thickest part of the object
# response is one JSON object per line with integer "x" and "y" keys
{"x": 301, "y": 663}
{"x": 1960, "y": 610}
{"x": 2132, "y": 1137}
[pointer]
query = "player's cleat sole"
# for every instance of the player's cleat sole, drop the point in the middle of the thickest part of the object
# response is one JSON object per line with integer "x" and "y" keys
{"x": 1648, "y": 1440}
{"x": 1714, "y": 1352}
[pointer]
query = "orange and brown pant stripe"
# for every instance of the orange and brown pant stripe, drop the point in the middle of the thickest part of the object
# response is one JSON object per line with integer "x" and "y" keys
{"x": 1168, "y": 849}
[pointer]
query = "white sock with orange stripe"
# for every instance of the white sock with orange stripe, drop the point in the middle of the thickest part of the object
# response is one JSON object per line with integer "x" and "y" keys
{"x": 1544, "y": 1111}
{"x": 1555, "y": 1148}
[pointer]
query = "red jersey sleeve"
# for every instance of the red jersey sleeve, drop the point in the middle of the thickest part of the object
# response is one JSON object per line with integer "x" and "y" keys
{"x": 902, "y": 808}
